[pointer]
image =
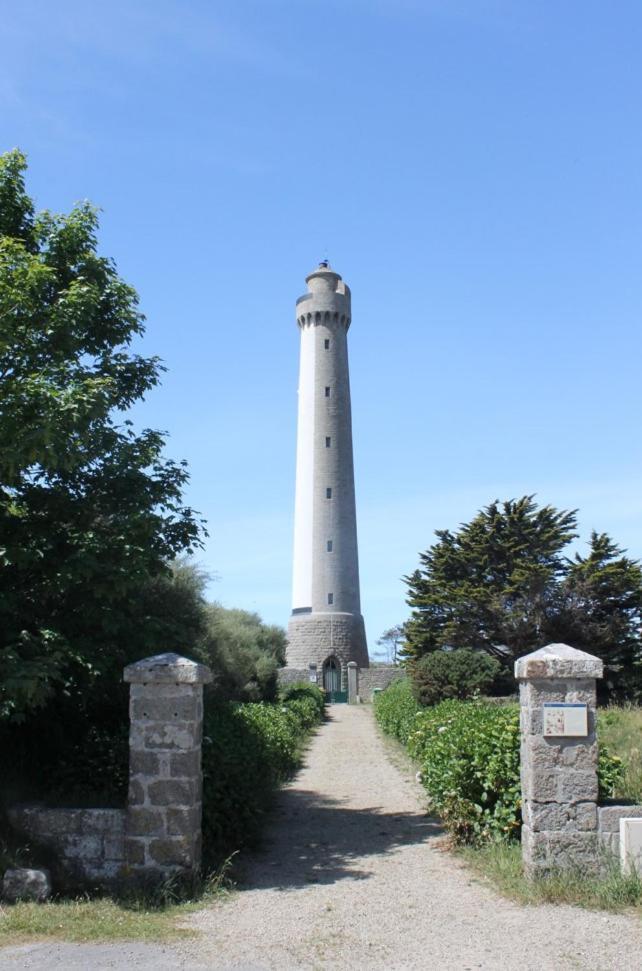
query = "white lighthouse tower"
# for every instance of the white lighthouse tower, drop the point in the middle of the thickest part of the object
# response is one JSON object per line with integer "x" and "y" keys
{"x": 326, "y": 629}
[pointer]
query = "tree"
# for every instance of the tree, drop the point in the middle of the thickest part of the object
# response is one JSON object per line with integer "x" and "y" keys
{"x": 90, "y": 510}
{"x": 600, "y": 612}
{"x": 86, "y": 739}
{"x": 452, "y": 674}
{"x": 391, "y": 641}
{"x": 244, "y": 653}
{"x": 502, "y": 584}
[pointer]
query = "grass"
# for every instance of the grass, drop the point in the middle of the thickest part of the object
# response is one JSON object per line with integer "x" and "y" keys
{"x": 621, "y": 730}
{"x": 142, "y": 917}
{"x": 81, "y": 921}
{"x": 501, "y": 864}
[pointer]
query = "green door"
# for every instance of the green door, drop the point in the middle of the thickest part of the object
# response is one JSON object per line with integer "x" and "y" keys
{"x": 332, "y": 682}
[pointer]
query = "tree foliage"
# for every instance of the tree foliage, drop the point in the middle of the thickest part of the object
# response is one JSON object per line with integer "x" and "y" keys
{"x": 503, "y": 584}
{"x": 90, "y": 510}
{"x": 244, "y": 653}
{"x": 452, "y": 674}
{"x": 86, "y": 738}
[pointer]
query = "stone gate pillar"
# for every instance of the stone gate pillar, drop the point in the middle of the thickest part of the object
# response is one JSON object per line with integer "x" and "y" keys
{"x": 558, "y": 758}
{"x": 163, "y": 819}
{"x": 353, "y": 682}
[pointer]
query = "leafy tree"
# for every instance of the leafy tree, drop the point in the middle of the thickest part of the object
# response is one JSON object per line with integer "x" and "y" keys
{"x": 244, "y": 653}
{"x": 86, "y": 739}
{"x": 502, "y": 584}
{"x": 90, "y": 510}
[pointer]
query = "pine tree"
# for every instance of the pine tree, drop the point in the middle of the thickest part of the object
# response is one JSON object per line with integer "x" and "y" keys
{"x": 502, "y": 584}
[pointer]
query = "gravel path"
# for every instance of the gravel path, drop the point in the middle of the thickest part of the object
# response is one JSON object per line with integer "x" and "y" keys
{"x": 353, "y": 875}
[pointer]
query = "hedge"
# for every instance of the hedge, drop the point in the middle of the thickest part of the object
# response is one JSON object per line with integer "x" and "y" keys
{"x": 249, "y": 750}
{"x": 468, "y": 753}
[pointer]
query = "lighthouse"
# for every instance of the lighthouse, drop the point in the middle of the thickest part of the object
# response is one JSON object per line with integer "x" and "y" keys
{"x": 326, "y": 630}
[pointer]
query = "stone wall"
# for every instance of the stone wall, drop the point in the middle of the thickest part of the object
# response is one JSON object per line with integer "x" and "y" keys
{"x": 85, "y": 846}
{"x": 380, "y": 677}
{"x": 609, "y": 825}
{"x": 293, "y": 676}
{"x": 159, "y": 833}
{"x": 368, "y": 679}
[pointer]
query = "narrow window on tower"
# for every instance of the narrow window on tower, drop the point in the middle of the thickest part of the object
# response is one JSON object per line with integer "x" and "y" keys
{"x": 330, "y": 598}
{"x": 327, "y": 392}
{"x": 326, "y": 344}
{"x": 327, "y": 442}
{"x": 328, "y": 493}
{"x": 329, "y": 546}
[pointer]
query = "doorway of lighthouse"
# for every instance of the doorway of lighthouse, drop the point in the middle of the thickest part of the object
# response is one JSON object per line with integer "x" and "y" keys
{"x": 332, "y": 682}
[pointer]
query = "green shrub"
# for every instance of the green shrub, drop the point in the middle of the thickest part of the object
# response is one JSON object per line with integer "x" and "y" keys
{"x": 469, "y": 758}
{"x": 84, "y": 733}
{"x": 249, "y": 750}
{"x": 468, "y": 752}
{"x": 395, "y": 710}
{"x": 453, "y": 674}
{"x": 305, "y": 710}
{"x": 279, "y": 729}
{"x": 307, "y": 700}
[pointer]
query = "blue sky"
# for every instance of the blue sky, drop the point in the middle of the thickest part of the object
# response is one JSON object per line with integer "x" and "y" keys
{"x": 473, "y": 168}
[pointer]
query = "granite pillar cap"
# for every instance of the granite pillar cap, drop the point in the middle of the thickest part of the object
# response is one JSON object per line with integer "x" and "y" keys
{"x": 167, "y": 669}
{"x": 558, "y": 661}
{"x": 352, "y": 664}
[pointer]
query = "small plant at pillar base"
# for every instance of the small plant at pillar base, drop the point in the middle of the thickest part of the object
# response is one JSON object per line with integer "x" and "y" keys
{"x": 501, "y": 863}
{"x": 610, "y": 772}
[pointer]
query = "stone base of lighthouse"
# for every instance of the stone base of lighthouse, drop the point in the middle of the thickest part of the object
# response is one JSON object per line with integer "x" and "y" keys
{"x": 315, "y": 637}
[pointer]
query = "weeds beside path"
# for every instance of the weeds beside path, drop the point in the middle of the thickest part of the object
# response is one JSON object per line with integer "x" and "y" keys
{"x": 354, "y": 875}
{"x": 501, "y": 864}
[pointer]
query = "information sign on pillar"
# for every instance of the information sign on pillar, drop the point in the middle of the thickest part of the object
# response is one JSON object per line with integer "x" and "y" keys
{"x": 569, "y": 720}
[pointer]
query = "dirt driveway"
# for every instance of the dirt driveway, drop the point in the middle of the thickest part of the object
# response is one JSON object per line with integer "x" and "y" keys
{"x": 351, "y": 876}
